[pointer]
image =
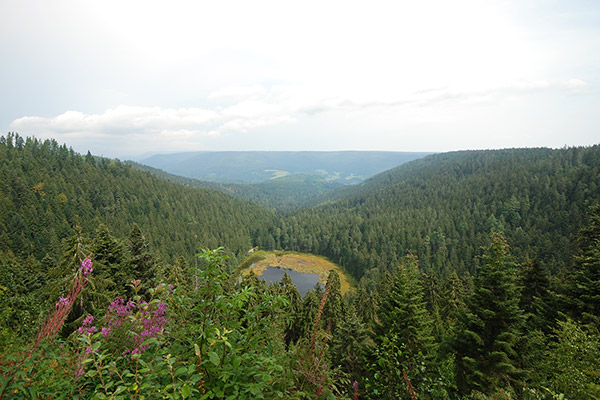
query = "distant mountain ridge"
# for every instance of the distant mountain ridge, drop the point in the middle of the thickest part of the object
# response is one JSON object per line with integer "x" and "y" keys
{"x": 342, "y": 167}
{"x": 286, "y": 193}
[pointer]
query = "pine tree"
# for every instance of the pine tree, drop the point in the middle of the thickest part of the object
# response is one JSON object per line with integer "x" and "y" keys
{"x": 490, "y": 327}
{"x": 348, "y": 344}
{"x": 109, "y": 259}
{"x": 310, "y": 306}
{"x": 403, "y": 334}
{"x": 141, "y": 262}
{"x": 293, "y": 310}
{"x": 403, "y": 311}
{"x": 584, "y": 283}
{"x": 453, "y": 299}
{"x": 334, "y": 310}
{"x": 364, "y": 304}
{"x": 535, "y": 296}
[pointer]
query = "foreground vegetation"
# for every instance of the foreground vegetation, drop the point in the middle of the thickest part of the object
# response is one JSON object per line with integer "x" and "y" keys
{"x": 491, "y": 302}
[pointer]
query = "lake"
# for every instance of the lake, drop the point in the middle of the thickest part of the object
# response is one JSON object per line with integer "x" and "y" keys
{"x": 304, "y": 282}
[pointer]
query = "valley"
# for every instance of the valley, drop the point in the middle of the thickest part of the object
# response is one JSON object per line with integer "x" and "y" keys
{"x": 108, "y": 266}
{"x": 341, "y": 167}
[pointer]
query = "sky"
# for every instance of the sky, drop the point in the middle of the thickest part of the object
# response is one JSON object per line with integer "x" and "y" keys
{"x": 131, "y": 78}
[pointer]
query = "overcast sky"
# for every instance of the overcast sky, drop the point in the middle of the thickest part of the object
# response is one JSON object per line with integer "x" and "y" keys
{"x": 121, "y": 78}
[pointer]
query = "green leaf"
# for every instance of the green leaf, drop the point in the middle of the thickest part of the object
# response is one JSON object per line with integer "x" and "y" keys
{"x": 91, "y": 373}
{"x": 186, "y": 391}
{"x": 237, "y": 361}
{"x": 180, "y": 371}
{"x": 197, "y": 351}
{"x": 150, "y": 341}
{"x": 214, "y": 358}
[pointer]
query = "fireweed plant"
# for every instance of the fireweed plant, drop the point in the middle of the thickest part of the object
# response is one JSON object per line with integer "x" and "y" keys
{"x": 209, "y": 340}
{"x": 24, "y": 372}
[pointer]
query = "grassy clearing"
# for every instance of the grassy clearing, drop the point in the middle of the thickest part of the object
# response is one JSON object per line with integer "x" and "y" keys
{"x": 300, "y": 262}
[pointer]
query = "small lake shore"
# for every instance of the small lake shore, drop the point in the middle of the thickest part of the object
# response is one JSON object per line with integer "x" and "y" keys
{"x": 300, "y": 262}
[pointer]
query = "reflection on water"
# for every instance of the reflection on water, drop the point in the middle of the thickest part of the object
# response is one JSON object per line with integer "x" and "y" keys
{"x": 304, "y": 282}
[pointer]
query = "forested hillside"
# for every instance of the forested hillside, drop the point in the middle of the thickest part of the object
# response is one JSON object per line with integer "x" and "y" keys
{"x": 442, "y": 208}
{"x": 285, "y": 194}
{"x": 478, "y": 277}
{"x": 48, "y": 189}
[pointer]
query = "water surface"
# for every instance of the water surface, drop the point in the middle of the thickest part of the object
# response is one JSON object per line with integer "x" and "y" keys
{"x": 303, "y": 281}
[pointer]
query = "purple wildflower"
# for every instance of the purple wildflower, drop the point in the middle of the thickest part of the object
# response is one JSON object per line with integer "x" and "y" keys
{"x": 63, "y": 301}
{"x": 86, "y": 267}
{"x": 355, "y": 387}
{"x": 86, "y": 327}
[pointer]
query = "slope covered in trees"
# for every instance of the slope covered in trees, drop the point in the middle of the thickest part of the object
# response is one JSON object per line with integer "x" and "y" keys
{"x": 478, "y": 276}
{"x": 48, "y": 189}
{"x": 284, "y": 194}
{"x": 443, "y": 206}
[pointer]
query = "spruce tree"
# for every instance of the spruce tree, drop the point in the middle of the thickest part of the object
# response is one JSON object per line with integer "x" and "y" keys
{"x": 453, "y": 300}
{"x": 141, "y": 261}
{"x": 403, "y": 334}
{"x": 490, "y": 327}
{"x": 348, "y": 344}
{"x": 293, "y": 310}
{"x": 536, "y": 296}
{"x": 333, "y": 311}
{"x": 109, "y": 259}
{"x": 584, "y": 284}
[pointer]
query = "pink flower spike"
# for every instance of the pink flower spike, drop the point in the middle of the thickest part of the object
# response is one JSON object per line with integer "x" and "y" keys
{"x": 63, "y": 301}
{"x": 86, "y": 267}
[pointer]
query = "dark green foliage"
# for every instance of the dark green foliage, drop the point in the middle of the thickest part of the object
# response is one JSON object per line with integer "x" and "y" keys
{"x": 537, "y": 300}
{"x": 403, "y": 312}
{"x": 348, "y": 347}
{"x": 426, "y": 324}
{"x": 293, "y": 310}
{"x": 47, "y": 189}
{"x": 284, "y": 194}
{"x": 573, "y": 361}
{"x": 491, "y": 325}
{"x": 334, "y": 309}
{"x": 141, "y": 262}
{"x": 403, "y": 334}
{"x": 453, "y": 296}
{"x": 584, "y": 282}
{"x": 442, "y": 207}
{"x": 110, "y": 259}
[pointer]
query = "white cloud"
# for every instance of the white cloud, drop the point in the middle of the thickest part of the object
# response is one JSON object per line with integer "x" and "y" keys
{"x": 120, "y": 119}
{"x": 137, "y": 129}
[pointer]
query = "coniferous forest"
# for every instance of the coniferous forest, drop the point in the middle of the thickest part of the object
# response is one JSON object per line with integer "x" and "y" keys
{"x": 477, "y": 277}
